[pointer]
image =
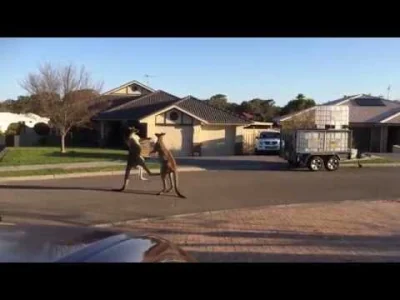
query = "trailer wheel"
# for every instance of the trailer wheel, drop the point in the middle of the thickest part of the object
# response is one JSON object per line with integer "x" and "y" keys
{"x": 315, "y": 163}
{"x": 332, "y": 163}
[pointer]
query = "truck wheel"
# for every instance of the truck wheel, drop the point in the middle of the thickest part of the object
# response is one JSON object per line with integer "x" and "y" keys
{"x": 332, "y": 163}
{"x": 315, "y": 163}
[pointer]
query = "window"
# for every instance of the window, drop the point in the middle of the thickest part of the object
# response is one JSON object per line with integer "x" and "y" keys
{"x": 173, "y": 116}
{"x": 270, "y": 135}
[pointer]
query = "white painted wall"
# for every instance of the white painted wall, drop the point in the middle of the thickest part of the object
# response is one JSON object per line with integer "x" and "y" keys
{"x": 30, "y": 120}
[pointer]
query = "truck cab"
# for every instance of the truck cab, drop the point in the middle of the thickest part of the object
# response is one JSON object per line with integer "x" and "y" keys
{"x": 268, "y": 142}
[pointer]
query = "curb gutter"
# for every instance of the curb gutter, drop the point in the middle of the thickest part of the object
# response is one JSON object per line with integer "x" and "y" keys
{"x": 377, "y": 165}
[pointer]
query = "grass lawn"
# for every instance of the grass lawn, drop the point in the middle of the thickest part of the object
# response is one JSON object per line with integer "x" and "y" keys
{"x": 68, "y": 171}
{"x": 51, "y": 155}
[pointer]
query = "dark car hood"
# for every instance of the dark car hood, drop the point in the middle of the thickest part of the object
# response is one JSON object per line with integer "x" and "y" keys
{"x": 41, "y": 243}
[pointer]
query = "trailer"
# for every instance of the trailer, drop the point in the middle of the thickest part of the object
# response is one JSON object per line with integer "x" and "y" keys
{"x": 316, "y": 149}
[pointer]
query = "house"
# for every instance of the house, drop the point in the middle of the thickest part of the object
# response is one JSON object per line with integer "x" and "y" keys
{"x": 188, "y": 122}
{"x": 30, "y": 120}
{"x": 28, "y": 136}
{"x": 374, "y": 121}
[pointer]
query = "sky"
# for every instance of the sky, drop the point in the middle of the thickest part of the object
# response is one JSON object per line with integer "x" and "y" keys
{"x": 241, "y": 68}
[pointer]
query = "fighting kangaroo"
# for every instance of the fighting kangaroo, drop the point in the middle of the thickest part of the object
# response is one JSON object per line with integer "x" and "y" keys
{"x": 168, "y": 166}
{"x": 134, "y": 157}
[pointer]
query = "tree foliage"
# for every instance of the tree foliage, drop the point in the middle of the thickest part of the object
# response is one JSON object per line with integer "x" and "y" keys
{"x": 301, "y": 102}
{"x": 41, "y": 129}
{"x": 64, "y": 94}
{"x": 14, "y": 128}
{"x": 263, "y": 110}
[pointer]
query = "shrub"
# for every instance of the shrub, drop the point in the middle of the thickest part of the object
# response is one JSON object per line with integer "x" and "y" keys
{"x": 14, "y": 128}
{"x": 42, "y": 129}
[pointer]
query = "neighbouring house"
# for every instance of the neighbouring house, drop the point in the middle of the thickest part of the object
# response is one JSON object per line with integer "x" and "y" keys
{"x": 27, "y": 136}
{"x": 30, "y": 120}
{"x": 374, "y": 121}
{"x": 191, "y": 125}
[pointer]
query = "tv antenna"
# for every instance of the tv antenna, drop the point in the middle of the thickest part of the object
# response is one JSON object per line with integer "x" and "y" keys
{"x": 147, "y": 76}
{"x": 388, "y": 91}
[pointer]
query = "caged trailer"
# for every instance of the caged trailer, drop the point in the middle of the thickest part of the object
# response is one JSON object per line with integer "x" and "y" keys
{"x": 317, "y": 149}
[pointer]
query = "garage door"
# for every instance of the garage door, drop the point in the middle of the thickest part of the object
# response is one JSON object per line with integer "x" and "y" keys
{"x": 218, "y": 140}
{"x": 178, "y": 139}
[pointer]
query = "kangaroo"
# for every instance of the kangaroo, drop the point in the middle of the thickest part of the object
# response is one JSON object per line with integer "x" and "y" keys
{"x": 168, "y": 165}
{"x": 134, "y": 158}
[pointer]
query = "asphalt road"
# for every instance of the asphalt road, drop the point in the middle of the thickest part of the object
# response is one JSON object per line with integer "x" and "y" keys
{"x": 90, "y": 201}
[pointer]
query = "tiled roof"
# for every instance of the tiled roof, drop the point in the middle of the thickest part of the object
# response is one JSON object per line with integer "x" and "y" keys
{"x": 209, "y": 113}
{"x": 364, "y": 114}
{"x": 140, "y": 107}
{"x": 332, "y": 102}
{"x": 395, "y": 120}
{"x": 110, "y": 101}
{"x": 337, "y": 101}
{"x": 371, "y": 114}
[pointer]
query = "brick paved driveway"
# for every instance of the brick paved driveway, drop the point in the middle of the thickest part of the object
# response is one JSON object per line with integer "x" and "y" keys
{"x": 332, "y": 232}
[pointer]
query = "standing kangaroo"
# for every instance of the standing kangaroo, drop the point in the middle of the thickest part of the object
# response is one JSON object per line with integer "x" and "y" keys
{"x": 134, "y": 157}
{"x": 168, "y": 166}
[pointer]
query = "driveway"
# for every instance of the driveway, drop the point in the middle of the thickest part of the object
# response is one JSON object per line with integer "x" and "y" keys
{"x": 350, "y": 231}
{"x": 91, "y": 200}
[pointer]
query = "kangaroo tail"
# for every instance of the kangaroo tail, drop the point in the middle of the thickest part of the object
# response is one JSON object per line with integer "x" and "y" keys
{"x": 176, "y": 185}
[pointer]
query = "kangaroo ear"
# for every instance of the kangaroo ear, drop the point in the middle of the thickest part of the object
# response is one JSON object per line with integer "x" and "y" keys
{"x": 162, "y": 134}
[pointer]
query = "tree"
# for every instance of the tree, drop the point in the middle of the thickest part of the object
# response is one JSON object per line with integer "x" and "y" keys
{"x": 6, "y": 105}
{"x": 65, "y": 95}
{"x": 219, "y": 101}
{"x": 262, "y": 110}
{"x": 297, "y": 104}
{"x": 304, "y": 120}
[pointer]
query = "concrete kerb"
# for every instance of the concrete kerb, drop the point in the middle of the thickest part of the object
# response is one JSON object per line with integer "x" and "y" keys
{"x": 367, "y": 165}
{"x": 87, "y": 174}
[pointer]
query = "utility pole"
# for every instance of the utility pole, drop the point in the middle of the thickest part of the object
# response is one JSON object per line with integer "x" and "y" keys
{"x": 388, "y": 92}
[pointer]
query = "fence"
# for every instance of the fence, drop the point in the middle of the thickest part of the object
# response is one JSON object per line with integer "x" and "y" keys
{"x": 249, "y": 139}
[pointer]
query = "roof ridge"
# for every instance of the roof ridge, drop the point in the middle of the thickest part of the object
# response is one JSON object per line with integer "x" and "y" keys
{"x": 126, "y": 103}
{"x": 129, "y": 83}
{"x": 217, "y": 108}
{"x": 162, "y": 91}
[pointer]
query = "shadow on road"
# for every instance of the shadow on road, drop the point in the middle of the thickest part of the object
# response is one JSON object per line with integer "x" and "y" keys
{"x": 66, "y": 219}
{"x": 244, "y": 164}
{"x": 90, "y": 155}
{"x": 79, "y": 188}
{"x": 41, "y": 187}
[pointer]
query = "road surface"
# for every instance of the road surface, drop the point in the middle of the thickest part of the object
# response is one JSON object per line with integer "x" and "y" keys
{"x": 90, "y": 200}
